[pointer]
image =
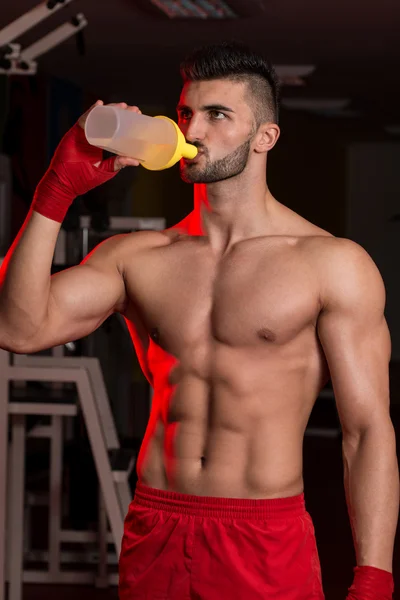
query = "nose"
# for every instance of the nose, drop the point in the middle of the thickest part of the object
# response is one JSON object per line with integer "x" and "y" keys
{"x": 193, "y": 129}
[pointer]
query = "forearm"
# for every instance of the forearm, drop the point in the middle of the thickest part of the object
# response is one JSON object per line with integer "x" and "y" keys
{"x": 372, "y": 492}
{"x": 25, "y": 280}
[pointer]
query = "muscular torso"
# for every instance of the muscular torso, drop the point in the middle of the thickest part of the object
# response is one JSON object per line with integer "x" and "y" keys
{"x": 231, "y": 347}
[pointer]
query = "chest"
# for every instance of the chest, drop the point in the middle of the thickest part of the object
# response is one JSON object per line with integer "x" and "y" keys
{"x": 256, "y": 294}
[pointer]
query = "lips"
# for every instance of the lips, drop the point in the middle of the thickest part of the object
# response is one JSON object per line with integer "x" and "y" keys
{"x": 191, "y": 160}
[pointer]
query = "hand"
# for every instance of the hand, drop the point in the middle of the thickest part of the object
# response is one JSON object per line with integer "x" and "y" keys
{"x": 119, "y": 161}
{"x": 76, "y": 168}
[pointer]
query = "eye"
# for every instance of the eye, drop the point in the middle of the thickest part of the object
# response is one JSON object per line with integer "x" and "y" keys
{"x": 183, "y": 115}
{"x": 217, "y": 115}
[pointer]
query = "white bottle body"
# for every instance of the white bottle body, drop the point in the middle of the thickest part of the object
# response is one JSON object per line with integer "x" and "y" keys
{"x": 150, "y": 140}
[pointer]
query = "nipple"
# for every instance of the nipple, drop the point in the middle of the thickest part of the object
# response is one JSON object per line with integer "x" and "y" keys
{"x": 155, "y": 335}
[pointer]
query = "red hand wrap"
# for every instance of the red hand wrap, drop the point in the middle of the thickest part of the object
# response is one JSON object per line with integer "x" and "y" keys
{"x": 71, "y": 173}
{"x": 371, "y": 583}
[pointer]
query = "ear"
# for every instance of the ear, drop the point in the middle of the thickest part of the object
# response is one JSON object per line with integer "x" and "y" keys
{"x": 266, "y": 137}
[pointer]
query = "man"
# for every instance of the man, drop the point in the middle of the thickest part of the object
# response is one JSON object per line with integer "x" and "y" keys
{"x": 239, "y": 314}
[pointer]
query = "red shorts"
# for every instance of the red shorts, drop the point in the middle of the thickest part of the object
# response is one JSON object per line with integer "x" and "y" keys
{"x": 181, "y": 547}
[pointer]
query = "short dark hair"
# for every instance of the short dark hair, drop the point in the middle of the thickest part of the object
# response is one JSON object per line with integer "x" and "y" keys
{"x": 237, "y": 62}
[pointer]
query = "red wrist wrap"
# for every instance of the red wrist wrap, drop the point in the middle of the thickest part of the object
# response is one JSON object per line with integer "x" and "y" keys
{"x": 71, "y": 173}
{"x": 371, "y": 583}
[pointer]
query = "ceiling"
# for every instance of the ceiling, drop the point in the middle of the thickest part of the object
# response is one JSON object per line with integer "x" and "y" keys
{"x": 133, "y": 53}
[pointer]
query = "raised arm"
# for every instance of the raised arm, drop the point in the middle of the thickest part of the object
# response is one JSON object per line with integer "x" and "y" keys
{"x": 356, "y": 342}
{"x": 38, "y": 311}
{"x": 65, "y": 307}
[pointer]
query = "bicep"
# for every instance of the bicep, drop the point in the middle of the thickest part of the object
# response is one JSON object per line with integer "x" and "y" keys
{"x": 80, "y": 299}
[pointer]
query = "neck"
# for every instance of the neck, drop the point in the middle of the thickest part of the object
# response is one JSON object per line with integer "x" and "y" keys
{"x": 232, "y": 210}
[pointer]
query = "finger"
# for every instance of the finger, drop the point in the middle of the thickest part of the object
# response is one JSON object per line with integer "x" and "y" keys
{"x": 82, "y": 119}
{"x": 125, "y": 161}
{"x": 120, "y": 104}
{"x": 135, "y": 109}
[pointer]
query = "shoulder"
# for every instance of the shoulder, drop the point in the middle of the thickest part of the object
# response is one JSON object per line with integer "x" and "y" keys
{"x": 331, "y": 253}
{"x": 116, "y": 250}
{"x": 347, "y": 275}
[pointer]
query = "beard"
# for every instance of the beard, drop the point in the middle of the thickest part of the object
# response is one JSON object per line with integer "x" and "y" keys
{"x": 224, "y": 168}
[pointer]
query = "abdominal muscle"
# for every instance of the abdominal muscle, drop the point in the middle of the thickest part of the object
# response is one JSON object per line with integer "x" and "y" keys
{"x": 228, "y": 437}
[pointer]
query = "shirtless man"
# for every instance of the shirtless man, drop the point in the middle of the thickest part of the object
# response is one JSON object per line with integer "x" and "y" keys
{"x": 239, "y": 314}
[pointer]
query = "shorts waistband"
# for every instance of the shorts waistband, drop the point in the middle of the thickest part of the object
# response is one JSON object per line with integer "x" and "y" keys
{"x": 210, "y": 506}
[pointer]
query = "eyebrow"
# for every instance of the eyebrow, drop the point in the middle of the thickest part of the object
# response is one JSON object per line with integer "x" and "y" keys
{"x": 207, "y": 107}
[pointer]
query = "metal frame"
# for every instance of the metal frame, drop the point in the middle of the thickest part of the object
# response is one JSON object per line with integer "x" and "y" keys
{"x": 16, "y": 531}
{"x": 87, "y": 375}
{"x": 28, "y": 20}
{"x": 16, "y": 507}
{"x": 22, "y": 62}
{"x": 4, "y": 378}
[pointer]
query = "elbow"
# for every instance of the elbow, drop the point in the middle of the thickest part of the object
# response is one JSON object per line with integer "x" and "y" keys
{"x": 11, "y": 342}
{"x": 20, "y": 337}
{"x": 27, "y": 346}
{"x": 377, "y": 435}
{"x": 15, "y": 346}
{"x": 8, "y": 341}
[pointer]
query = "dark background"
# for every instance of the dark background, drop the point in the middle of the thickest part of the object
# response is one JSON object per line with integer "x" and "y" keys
{"x": 338, "y": 169}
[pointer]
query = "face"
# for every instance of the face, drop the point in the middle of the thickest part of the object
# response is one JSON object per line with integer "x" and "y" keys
{"x": 214, "y": 117}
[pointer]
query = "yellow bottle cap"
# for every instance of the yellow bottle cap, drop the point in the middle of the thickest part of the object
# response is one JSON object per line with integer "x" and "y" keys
{"x": 182, "y": 150}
